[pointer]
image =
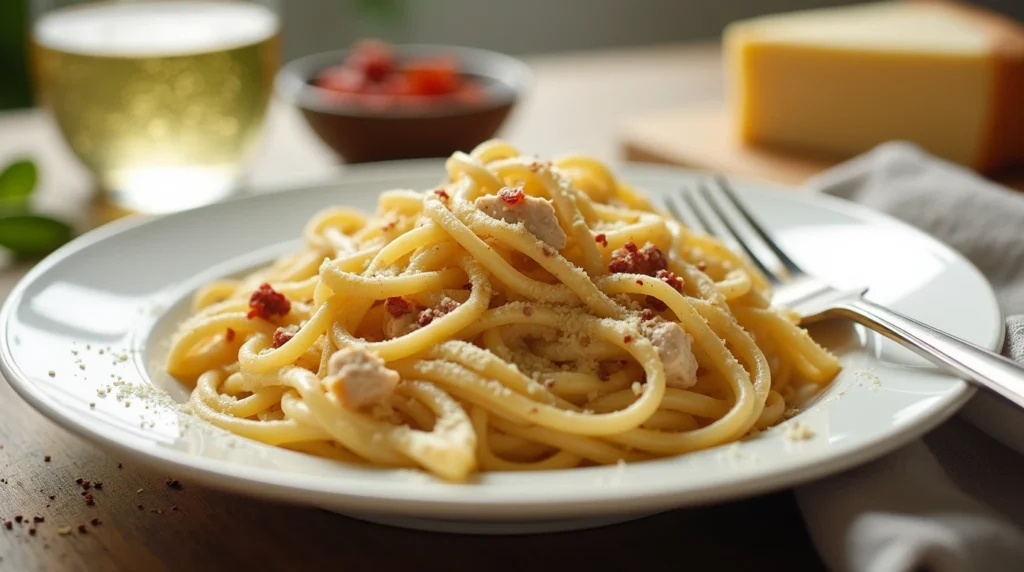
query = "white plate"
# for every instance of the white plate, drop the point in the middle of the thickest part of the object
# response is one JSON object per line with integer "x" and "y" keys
{"x": 108, "y": 301}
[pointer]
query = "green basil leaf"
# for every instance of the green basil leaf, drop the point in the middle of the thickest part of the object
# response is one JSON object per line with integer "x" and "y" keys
{"x": 32, "y": 235}
{"x": 17, "y": 181}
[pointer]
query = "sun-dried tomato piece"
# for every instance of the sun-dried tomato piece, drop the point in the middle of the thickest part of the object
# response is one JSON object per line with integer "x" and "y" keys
{"x": 670, "y": 278}
{"x": 282, "y": 336}
{"x": 397, "y": 306}
{"x": 512, "y": 195}
{"x": 656, "y": 304}
{"x": 632, "y": 260}
{"x": 265, "y": 302}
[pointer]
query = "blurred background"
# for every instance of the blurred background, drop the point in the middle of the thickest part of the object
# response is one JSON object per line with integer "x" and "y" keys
{"x": 520, "y": 27}
{"x": 157, "y": 106}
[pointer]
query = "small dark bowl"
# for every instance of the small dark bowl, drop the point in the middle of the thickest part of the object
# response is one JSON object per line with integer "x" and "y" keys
{"x": 359, "y": 134}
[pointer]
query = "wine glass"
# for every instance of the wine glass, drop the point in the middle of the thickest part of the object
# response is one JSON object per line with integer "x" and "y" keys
{"x": 162, "y": 100}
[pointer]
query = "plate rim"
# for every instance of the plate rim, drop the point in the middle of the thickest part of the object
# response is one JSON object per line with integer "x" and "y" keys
{"x": 225, "y": 475}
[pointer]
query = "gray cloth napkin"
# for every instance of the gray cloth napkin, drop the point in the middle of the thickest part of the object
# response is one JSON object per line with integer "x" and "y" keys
{"x": 954, "y": 501}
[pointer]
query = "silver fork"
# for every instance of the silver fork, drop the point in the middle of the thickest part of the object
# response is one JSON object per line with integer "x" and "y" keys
{"x": 713, "y": 207}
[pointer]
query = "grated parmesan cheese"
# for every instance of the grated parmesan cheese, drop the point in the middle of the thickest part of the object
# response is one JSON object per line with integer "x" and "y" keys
{"x": 797, "y": 431}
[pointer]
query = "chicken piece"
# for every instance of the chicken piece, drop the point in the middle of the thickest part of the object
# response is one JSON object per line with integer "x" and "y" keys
{"x": 674, "y": 348}
{"x": 396, "y": 327}
{"x": 359, "y": 378}
{"x": 514, "y": 206}
{"x": 399, "y": 317}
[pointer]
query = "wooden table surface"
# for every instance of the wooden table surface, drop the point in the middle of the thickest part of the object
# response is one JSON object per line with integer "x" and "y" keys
{"x": 137, "y": 522}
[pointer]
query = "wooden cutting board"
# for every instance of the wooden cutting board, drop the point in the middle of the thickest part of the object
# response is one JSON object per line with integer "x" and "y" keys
{"x": 700, "y": 137}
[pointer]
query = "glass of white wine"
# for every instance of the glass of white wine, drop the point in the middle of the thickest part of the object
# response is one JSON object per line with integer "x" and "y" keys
{"x": 162, "y": 100}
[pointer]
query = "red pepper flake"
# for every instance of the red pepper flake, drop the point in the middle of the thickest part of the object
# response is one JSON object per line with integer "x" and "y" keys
{"x": 670, "y": 278}
{"x": 528, "y": 310}
{"x": 442, "y": 194}
{"x": 630, "y": 259}
{"x": 512, "y": 195}
{"x": 398, "y": 306}
{"x": 18, "y": 518}
{"x": 467, "y": 286}
{"x": 282, "y": 337}
{"x": 8, "y": 524}
{"x": 89, "y": 501}
{"x": 627, "y": 339}
{"x": 656, "y": 304}
{"x": 534, "y": 167}
{"x": 81, "y": 529}
{"x": 702, "y": 266}
{"x": 86, "y": 484}
{"x": 548, "y": 251}
{"x": 173, "y": 483}
{"x": 549, "y": 383}
{"x": 602, "y": 239}
{"x": 46, "y": 459}
{"x": 646, "y": 314}
{"x": 229, "y": 335}
{"x": 389, "y": 226}
{"x": 32, "y": 531}
{"x": 639, "y": 282}
{"x": 602, "y": 372}
{"x": 266, "y": 302}
{"x": 95, "y": 521}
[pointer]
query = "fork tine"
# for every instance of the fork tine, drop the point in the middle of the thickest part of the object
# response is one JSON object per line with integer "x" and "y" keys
{"x": 684, "y": 215}
{"x": 704, "y": 208}
{"x": 765, "y": 239}
{"x": 708, "y": 221}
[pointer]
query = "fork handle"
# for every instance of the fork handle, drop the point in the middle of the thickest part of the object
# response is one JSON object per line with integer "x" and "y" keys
{"x": 966, "y": 360}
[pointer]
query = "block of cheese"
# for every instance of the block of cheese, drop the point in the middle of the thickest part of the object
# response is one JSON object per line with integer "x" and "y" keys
{"x": 838, "y": 81}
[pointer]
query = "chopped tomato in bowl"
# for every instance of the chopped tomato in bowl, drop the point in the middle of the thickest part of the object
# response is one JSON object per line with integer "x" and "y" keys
{"x": 377, "y": 101}
{"x": 374, "y": 76}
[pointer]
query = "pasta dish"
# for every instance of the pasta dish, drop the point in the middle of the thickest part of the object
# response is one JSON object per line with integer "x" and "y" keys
{"x": 523, "y": 315}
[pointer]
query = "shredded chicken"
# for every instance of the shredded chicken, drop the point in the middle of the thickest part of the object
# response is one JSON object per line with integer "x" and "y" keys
{"x": 536, "y": 214}
{"x": 359, "y": 378}
{"x": 399, "y": 317}
{"x": 674, "y": 348}
{"x": 397, "y": 327}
